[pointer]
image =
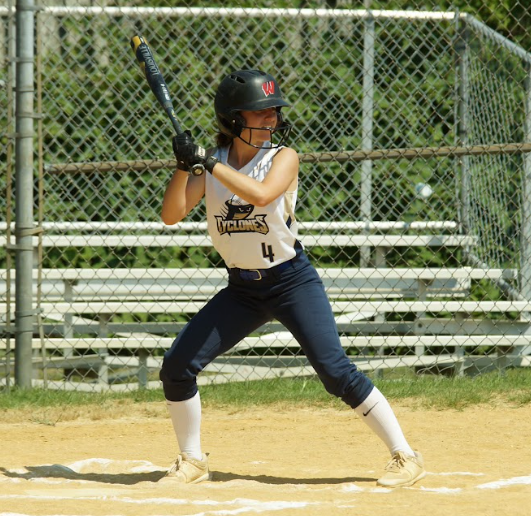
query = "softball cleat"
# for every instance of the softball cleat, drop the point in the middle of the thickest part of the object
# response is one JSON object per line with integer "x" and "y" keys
{"x": 187, "y": 470}
{"x": 403, "y": 470}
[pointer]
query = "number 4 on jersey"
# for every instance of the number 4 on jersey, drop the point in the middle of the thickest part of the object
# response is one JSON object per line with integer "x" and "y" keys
{"x": 267, "y": 252}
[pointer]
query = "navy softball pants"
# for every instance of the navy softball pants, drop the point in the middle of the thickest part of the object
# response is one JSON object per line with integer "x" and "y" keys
{"x": 295, "y": 297}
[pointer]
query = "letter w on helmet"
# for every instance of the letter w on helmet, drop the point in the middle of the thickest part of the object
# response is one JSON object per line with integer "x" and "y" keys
{"x": 268, "y": 88}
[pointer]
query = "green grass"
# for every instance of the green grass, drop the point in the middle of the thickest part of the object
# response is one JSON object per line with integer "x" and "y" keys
{"x": 426, "y": 391}
{"x": 513, "y": 387}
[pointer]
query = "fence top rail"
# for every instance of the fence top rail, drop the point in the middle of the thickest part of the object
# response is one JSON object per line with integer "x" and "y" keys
{"x": 499, "y": 38}
{"x": 246, "y": 12}
{"x": 356, "y": 225}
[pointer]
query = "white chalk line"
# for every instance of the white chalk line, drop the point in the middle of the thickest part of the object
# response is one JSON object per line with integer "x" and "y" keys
{"x": 457, "y": 474}
{"x": 440, "y": 490}
{"x": 506, "y": 483}
{"x": 268, "y": 508}
{"x": 208, "y": 513}
{"x": 244, "y": 505}
{"x": 130, "y": 466}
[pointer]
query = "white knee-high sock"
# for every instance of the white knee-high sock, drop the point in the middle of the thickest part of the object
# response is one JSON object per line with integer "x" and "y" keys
{"x": 186, "y": 419}
{"x": 376, "y": 412}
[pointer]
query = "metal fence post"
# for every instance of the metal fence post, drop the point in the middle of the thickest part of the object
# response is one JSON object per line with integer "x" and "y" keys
{"x": 525, "y": 233}
{"x": 525, "y": 237}
{"x": 461, "y": 48}
{"x": 24, "y": 313}
{"x": 367, "y": 125}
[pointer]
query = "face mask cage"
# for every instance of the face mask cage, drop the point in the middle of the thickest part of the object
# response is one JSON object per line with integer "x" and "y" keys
{"x": 277, "y": 135}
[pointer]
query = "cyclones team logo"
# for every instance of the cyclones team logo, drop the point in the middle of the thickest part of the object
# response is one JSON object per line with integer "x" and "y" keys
{"x": 235, "y": 219}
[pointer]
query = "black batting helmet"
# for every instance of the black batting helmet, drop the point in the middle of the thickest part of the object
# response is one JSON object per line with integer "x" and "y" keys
{"x": 248, "y": 90}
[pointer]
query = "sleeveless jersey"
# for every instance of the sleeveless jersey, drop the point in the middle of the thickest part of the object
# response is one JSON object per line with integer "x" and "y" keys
{"x": 247, "y": 236}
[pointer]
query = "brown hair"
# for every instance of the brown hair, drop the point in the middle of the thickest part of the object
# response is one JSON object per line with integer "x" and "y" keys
{"x": 223, "y": 140}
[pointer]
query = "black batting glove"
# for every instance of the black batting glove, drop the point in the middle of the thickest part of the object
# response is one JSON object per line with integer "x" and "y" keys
{"x": 182, "y": 145}
{"x": 201, "y": 161}
{"x": 191, "y": 157}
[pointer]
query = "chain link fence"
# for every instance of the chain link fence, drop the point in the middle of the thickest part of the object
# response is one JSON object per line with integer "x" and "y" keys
{"x": 413, "y": 129}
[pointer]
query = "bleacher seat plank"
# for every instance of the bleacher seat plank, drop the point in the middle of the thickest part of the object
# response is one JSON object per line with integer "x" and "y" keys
{"x": 424, "y": 273}
{"x": 284, "y": 341}
{"x": 368, "y": 365}
{"x": 383, "y": 306}
{"x": 113, "y": 241}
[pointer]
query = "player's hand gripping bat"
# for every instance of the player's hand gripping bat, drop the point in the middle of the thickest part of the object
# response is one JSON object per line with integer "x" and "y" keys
{"x": 158, "y": 86}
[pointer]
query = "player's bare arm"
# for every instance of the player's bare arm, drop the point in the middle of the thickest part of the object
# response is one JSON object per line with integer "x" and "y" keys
{"x": 281, "y": 177}
{"x": 183, "y": 193}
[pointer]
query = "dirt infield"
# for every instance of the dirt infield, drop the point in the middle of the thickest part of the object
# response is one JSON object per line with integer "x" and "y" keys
{"x": 265, "y": 461}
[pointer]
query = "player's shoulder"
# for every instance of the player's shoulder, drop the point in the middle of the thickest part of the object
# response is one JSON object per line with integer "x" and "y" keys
{"x": 287, "y": 153}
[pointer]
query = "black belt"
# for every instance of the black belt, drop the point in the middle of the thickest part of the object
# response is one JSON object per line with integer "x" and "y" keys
{"x": 260, "y": 274}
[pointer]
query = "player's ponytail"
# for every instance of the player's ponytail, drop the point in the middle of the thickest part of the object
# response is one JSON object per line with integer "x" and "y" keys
{"x": 223, "y": 140}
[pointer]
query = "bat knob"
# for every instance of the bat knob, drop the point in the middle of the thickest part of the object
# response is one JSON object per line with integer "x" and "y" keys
{"x": 197, "y": 170}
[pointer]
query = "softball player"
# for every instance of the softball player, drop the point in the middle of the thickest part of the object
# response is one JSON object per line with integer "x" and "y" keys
{"x": 251, "y": 191}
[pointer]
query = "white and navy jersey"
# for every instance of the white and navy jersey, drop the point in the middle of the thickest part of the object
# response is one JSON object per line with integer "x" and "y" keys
{"x": 247, "y": 236}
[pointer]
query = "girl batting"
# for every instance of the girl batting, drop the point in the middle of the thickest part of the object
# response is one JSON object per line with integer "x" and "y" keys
{"x": 250, "y": 189}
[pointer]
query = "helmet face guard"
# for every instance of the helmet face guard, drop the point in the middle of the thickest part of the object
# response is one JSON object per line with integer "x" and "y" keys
{"x": 277, "y": 135}
{"x": 250, "y": 90}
